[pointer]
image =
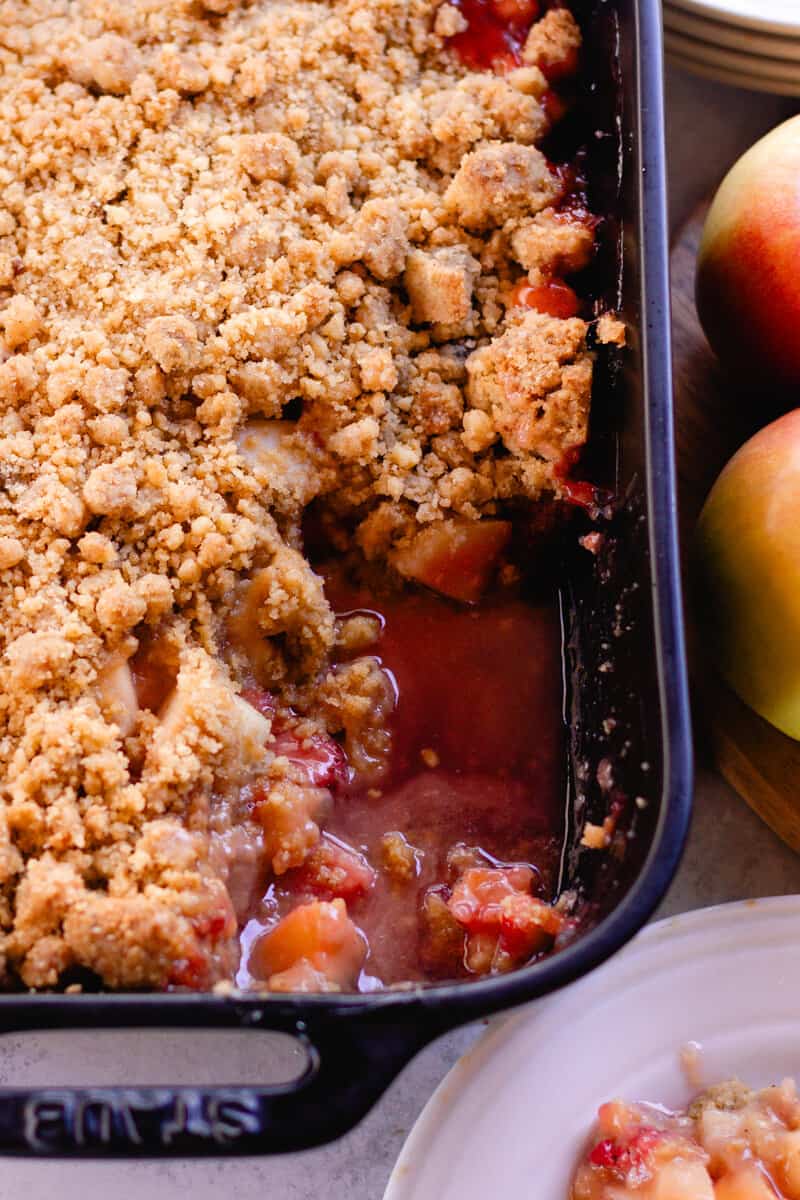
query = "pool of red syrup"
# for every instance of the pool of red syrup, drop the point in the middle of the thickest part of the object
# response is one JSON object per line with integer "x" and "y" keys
{"x": 480, "y": 688}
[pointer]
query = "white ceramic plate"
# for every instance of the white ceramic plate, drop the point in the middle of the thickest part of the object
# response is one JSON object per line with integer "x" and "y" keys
{"x": 740, "y": 79}
{"x": 773, "y": 16}
{"x": 513, "y": 1115}
{"x": 753, "y": 83}
{"x": 735, "y": 37}
{"x": 732, "y": 60}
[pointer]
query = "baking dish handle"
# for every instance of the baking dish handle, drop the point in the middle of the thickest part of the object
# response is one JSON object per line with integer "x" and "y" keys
{"x": 350, "y": 1063}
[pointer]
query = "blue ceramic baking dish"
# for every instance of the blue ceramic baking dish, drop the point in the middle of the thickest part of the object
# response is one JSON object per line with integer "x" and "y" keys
{"x": 623, "y": 659}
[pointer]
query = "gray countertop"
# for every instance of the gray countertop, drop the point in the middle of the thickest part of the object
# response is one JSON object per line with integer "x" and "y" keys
{"x": 730, "y": 855}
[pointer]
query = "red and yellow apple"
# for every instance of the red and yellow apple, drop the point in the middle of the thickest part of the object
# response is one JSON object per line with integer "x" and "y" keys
{"x": 747, "y": 573}
{"x": 748, "y": 271}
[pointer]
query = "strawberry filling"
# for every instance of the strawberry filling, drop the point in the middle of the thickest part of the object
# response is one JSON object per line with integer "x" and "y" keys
{"x": 504, "y": 923}
{"x": 579, "y": 492}
{"x": 626, "y": 1154}
{"x": 496, "y": 32}
{"x": 555, "y": 298}
{"x": 477, "y": 898}
{"x": 333, "y": 869}
{"x": 319, "y": 757}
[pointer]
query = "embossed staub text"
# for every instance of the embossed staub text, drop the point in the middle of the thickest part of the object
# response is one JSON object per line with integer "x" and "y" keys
{"x": 136, "y": 1119}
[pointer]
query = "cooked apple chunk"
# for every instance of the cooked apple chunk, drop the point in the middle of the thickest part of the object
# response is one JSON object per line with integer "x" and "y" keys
{"x": 456, "y": 558}
{"x": 118, "y": 693}
{"x": 281, "y": 454}
{"x": 439, "y": 285}
{"x": 315, "y": 948}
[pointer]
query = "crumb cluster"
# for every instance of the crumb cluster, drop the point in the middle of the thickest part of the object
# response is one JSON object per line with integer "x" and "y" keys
{"x": 216, "y": 215}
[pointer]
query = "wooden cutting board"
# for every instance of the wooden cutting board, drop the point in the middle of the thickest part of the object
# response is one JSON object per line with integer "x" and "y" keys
{"x": 712, "y": 419}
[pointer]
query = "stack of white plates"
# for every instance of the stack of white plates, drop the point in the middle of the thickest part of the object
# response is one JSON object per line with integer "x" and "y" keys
{"x": 748, "y": 43}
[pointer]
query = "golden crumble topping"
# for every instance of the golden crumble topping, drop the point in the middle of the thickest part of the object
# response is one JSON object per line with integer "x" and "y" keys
{"x": 210, "y": 209}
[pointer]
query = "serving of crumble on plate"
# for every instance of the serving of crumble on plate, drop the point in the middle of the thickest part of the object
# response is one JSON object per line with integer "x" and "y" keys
{"x": 732, "y": 1143}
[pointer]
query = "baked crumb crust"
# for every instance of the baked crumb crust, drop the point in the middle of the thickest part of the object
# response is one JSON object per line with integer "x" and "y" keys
{"x": 207, "y": 211}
